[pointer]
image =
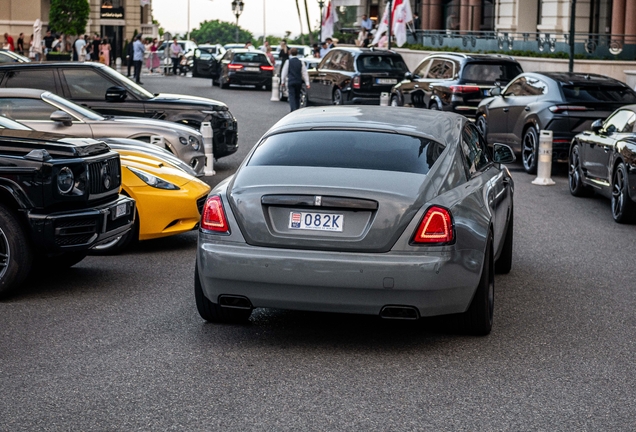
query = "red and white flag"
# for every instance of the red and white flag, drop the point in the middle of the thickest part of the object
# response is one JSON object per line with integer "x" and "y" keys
{"x": 329, "y": 18}
{"x": 402, "y": 15}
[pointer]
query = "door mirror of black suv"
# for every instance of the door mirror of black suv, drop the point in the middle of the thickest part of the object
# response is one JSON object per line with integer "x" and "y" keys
{"x": 495, "y": 91}
{"x": 61, "y": 117}
{"x": 503, "y": 154}
{"x": 408, "y": 76}
{"x": 116, "y": 94}
{"x": 597, "y": 125}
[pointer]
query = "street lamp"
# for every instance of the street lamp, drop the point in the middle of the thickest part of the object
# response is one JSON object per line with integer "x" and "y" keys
{"x": 237, "y": 8}
{"x": 321, "y": 3}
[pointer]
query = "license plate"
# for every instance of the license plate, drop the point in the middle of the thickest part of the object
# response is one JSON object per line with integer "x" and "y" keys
{"x": 121, "y": 210}
{"x": 316, "y": 221}
{"x": 252, "y": 69}
{"x": 385, "y": 81}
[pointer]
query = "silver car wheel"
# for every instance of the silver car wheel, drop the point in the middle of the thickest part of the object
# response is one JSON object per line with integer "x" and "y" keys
{"x": 5, "y": 253}
{"x": 529, "y": 150}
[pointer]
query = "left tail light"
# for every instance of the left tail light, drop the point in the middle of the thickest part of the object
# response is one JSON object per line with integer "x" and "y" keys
{"x": 558, "y": 109}
{"x": 213, "y": 218}
{"x": 436, "y": 227}
{"x": 234, "y": 66}
{"x": 464, "y": 89}
{"x": 356, "y": 82}
{"x": 267, "y": 68}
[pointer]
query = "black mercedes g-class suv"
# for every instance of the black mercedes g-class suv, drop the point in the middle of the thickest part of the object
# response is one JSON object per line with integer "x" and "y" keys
{"x": 58, "y": 198}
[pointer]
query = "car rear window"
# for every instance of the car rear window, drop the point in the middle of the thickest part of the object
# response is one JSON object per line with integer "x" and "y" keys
{"x": 490, "y": 72}
{"x": 598, "y": 93}
{"x": 381, "y": 63}
{"x": 250, "y": 57}
{"x": 348, "y": 149}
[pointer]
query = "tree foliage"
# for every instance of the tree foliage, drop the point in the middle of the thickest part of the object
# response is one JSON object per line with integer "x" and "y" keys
{"x": 69, "y": 16}
{"x": 221, "y": 32}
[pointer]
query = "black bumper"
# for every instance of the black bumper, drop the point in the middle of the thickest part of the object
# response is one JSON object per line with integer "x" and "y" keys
{"x": 225, "y": 134}
{"x": 81, "y": 229}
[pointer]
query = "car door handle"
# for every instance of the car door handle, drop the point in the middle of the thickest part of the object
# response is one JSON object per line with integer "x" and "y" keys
{"x": 526, "y": 109}
{"x": 606, "y": 149}
{"x": 506, "y": 109}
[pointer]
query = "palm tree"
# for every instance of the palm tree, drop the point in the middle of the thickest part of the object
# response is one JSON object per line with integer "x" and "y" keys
{"x": 300, "y": 20}
{"x": 311, "y": 32}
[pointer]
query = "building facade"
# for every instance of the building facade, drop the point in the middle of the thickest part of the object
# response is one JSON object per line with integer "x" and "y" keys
{"x": 117, "y": 20}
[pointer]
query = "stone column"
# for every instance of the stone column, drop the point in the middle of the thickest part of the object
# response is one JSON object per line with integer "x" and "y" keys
{"x": 618, "y": 19}
{"x": 435, "y": 17}
{"x": 630, "y": 21}
{"x": 425, "y": 12}
{"x": 475, "y": 14}
{"x": 464, "y": 15}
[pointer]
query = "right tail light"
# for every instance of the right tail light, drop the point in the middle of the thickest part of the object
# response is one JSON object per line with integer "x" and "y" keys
{"x": 436, "y": 227}
{"x": 356, "y": 82}
{"x": 213, "y": 218}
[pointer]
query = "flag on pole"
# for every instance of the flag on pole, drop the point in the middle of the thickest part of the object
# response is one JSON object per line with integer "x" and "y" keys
{"x": 382, "y": 27}
{"x": 401, "y": 16}
{"x": 329, "y": 18}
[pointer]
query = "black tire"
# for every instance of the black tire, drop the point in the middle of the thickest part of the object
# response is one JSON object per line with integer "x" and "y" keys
{"x": 482, "y": 126}
{"x": 117, "y": 247}
{"x": 575, "y": 176}
{"x": 395, "y": 101}
{"x": 504, "y": 264}
{"x": 16, "y": 252}
{"x": 212, "y": 312}
{"x": 530, "y": 150}
{"x": 477, "y": 320}
{"x": 337, "y": 97}
{"x": 623, "y": 208}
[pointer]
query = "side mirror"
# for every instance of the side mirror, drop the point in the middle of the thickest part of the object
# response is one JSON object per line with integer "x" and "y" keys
{"x": 62, "y": 117}
{"x": 503, "y": 154}
{"x": 597, "y": 125}
{"x": 116, "y": 94}
{"x": 495, "y": 91}
{"x": 408, "y": 76}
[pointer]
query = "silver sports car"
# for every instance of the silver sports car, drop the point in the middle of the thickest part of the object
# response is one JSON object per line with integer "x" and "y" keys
{"x": 399, "y": 213}
{"x": 47, "y": 112}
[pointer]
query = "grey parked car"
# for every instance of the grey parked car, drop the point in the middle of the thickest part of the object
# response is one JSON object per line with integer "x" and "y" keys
{"x": 45, "y": 111}
{"x": 400, "y": 213}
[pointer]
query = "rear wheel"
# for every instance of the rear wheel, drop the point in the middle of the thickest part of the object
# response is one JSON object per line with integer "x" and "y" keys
{"x": 395, "y": 102}
{"x": 212, "y": 312}
{"x": 575, "y": 177}
{"x": 16, "y": 254}
{"x": 477, "y": 320}
{"x": 623, "y": 208}
{"x": 337, "y": 98}
{"x": 504, "y": 264}
{"x": 530, "y": 150}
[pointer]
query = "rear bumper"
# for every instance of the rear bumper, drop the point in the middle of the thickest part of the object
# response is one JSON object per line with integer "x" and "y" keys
{"x": 81, "y": 229}
{"x": 434, "y": 283}
{"x": 248, "y": 79}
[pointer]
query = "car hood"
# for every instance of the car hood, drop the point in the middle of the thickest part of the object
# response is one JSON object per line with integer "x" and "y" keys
{"x": 177, "y": 127}
{"x": 189, "y": 100}
{"x": 155, "y": 165}
{"x": 55, "y": 144}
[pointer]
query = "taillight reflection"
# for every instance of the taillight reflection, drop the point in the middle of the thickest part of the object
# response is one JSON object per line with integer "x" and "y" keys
{"x": 213, "y": 218}
{"x": 436, "y": 227}
{"x": 464, "y": 89}
{"x": 267, "y": 68}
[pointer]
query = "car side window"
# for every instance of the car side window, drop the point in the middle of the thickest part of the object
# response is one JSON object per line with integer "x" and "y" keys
{"x": 26, "y": 109}
{"x": 43, "y": 79}
{"x": 516, "y": 88}
{"x": 620, "y": 122}
{"x": 348, "y": 62}
{"x": 474, "y": 150}
{"x": 440, "y": 69}
{"x": 325, "y": 63}
{"x": 422, "y": 69}
{"x": 536, "y": 87}
{"x": 86, "y": 84}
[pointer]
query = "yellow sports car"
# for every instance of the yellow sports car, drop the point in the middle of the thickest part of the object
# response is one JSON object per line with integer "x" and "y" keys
{"x": 169, "y": 197}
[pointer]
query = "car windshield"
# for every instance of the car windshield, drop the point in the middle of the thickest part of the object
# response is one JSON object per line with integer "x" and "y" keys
{"x": 598, "y": 93}
{"x": 348, "y": 149}
{"x": 65, "y": 103}
{"x": 381, "y": 63}
{"x": 130, "y": 85}
{"x": 6, "y": 123}
{"x": 249, "y": 57}
{"x": 490, "y": 72}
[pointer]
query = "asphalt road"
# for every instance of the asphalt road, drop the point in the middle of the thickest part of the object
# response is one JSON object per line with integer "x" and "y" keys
{"x": 116, "y": 342}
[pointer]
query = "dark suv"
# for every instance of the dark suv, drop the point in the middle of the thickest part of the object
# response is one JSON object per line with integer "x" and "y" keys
{"x": 454, "y": 82}
{"x": 58, "y": 198}
{"x": 108, "y": 92}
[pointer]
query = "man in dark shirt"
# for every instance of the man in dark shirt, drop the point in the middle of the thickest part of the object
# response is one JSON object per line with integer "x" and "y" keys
{"x": 96, "y": 41}
{"x": 48, "y": 41}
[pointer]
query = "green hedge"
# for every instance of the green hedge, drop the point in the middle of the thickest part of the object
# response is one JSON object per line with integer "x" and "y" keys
{"x": 515, "y": 53}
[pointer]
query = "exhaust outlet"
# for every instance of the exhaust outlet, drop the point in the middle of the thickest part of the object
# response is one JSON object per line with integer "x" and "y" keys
{"x": 235, "y": 302}
{"x": 400, "y": 312}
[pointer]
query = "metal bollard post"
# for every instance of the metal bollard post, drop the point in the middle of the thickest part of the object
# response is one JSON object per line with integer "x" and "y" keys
{"x": 275, "y": 86}
{"x": 206, "y": 131}
{"x": 544, "y": 165}
{"x": 384, "y": 99}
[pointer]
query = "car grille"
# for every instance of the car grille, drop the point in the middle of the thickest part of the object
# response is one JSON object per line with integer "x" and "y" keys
{"x": 96, "y": 176}
{"x": 201, "y": 203}
{"x": 75, "y": 231}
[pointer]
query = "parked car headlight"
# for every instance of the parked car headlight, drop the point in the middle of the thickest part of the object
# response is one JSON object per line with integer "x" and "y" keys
{"x": 183, "y": 140}
{"x": 152, "y": 180}
{"x": 65, "y": 180}
{"x": 196, "y": 144}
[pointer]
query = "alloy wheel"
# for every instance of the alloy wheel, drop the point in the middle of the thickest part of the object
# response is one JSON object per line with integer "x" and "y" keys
{"x": 618, "y": 193}
{"x": 482, "y": 125}
{"x": 5, "y": 253}
{"x": 529, "y": 150}
{"x": 574, "y": 175}
{"x": 337, "y": 97}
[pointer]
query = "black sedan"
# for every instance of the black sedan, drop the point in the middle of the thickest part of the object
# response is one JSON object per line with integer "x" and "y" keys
{"x": 108, "y": 92}
{"x": 355, "y": 76}
{"x": 245, "y": 67}
{"x": 565, "y": 103}
{"x": 604, "y": 160}
{"x": 206, "y": 59}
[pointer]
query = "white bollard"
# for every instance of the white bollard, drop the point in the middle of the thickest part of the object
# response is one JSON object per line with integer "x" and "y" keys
{"x": 206, "y": 131}
{"x": 384, "y": 99}
{"x": 544, "y": 163}
{"x": 275, "y": 88}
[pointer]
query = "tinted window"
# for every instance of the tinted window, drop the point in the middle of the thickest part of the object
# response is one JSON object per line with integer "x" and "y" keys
{"x": 490, "y": 72}
{"x": 598, "y": 93}
{"x": 26, "y": 109}
{"x": 86, "y": 84}
{"x": 348, "y": 149}
{"x": 250, "y": 57}
{"x": 324, "y": 64}
{"x": 381, "y": 63}
{"x": 474, "y": 150}
{"x": 526, "y": 86}
{"x": 341, "y": 60}
{"x": 440, "y": 69}
{"x": 422, "y": 68}
{"x": 622, "y": 122}
{"x": 36, "y": 79}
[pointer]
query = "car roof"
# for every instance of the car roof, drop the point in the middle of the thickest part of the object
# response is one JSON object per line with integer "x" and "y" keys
{"x": 356, "y": 50}
{"x": 574, "y": 78}
{"x": 444, "y": 127}
{"x": 22, "y": 93}
{"x": 245, "y": 50}
{"x": 65, "y": 65}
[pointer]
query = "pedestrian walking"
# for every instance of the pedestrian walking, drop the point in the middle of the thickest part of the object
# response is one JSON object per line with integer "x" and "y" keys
{"x": 129, "y": 56}
{"x": 138, "y": 57}
{"x": 270, "y": 55}
{"x": 96, "y": 43}
{"x": 104, "y": 52}
{"x": 294, "y": 73}
{"x": 20, "y": 46}
{"x": 175, "y": 53}
{"x": 88, "y": 49}
{"x": 283, "y": 53}
{"x": 8, "y": 42}
{"x": 153, "y": 59}
{"x": 48, "y": 41}
{"x": 79, "y": 49}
